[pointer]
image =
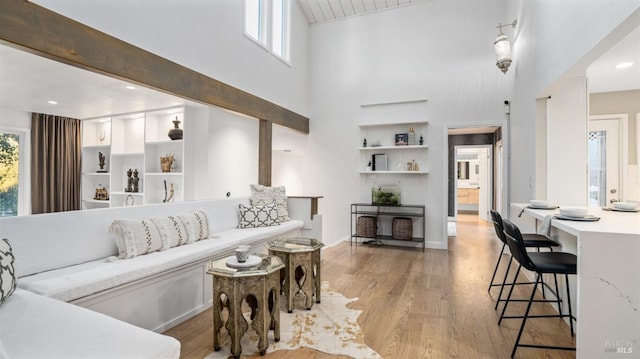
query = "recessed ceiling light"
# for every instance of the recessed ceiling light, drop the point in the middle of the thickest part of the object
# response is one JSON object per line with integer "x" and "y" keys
{"x": 52, "y": 102}
{"x": 624, "y": 65}
{"x": 131, "y": 87}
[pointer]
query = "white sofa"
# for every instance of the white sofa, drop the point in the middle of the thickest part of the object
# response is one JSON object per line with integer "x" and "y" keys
{"x": 72, "y": 257}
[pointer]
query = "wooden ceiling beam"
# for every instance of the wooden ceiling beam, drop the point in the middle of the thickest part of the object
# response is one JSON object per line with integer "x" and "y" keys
{"x": 43, "y": 32}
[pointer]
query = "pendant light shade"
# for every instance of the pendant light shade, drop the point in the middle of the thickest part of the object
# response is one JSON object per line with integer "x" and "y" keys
{"x": 503, "y": 52}
{"x": 502, "y": 45}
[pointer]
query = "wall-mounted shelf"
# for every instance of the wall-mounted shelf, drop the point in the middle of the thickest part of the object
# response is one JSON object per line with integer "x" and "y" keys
{"x": 412, "y": 147}
{"x": 394, "y": 172}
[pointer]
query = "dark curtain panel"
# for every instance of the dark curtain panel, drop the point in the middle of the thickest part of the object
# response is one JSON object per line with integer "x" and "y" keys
{"x": 55, "y": 163}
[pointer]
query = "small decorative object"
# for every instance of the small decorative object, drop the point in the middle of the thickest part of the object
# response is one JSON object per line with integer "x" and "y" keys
{"x": 364, "y": 143}
{"x": 379, "y": 162}
{"x": 411, "y": 140}
{"x": 130, "y": 201}
{"x": 176, "y": 132}
{"x": 368, "y": 168}
{"x": 402, "y": 139}
{"x": 101, "y": 162}
{"x": 421, "y": 141}
{"x": 136, "y": 181}
{"x": 166, "y": 163}
{"x": 102, "y": 136}
{"x": 102, "y": 194}
{"x": 412, "y": 166}
{"x": 242, "y": 253}
{"x": 169, "y": 196}
{"x": 389, "y": 196}
{"x": 129, "y": 187}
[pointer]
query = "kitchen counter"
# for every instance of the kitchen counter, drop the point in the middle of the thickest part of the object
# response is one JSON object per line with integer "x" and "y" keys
{"x": 607, "y": 287}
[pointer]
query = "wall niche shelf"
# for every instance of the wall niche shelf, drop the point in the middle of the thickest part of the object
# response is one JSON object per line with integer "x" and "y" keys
{"x": 134, "y": 141}
{"x": 384, "y": 135}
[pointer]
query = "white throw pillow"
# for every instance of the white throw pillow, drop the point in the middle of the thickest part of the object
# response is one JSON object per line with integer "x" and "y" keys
{"x": 139, "y": 236}
{"x": 197, "y": 225}
{"x": 257, "y": 216}
{"x": 262, "y": 195}
{"x": 7, "y": 272}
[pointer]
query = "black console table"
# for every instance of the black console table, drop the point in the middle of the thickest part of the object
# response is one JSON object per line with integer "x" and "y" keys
{"x": 383, "y": 214}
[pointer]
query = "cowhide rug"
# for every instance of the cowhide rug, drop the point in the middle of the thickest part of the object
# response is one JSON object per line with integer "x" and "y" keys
{"x": 329, "y": 327}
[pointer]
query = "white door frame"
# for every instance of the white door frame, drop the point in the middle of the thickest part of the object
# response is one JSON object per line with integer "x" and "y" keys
{"x": 623, "y": 147}
{"x": 504, "y": 124}
{"x": 489, "y": 188}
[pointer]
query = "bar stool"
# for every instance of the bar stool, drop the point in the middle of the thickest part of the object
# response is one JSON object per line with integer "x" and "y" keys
{"x": 540, "y": 263}
{"x": 531, "y": 240}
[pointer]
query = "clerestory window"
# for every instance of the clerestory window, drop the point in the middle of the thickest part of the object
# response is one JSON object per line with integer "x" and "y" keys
{"x": 267, "y": 22}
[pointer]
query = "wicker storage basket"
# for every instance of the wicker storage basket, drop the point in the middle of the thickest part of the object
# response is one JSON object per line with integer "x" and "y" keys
{"x": 402, "y": 228}
{"x": 367, "y": 227}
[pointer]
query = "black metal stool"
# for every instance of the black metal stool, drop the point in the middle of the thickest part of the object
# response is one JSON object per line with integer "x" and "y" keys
{"x": 540, "y": 263}
{"x": 531, "y": 240}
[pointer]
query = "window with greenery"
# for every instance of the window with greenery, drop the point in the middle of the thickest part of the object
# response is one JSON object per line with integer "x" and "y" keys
{"x": 267, "y": 23}
{"x": 9, "y": 173}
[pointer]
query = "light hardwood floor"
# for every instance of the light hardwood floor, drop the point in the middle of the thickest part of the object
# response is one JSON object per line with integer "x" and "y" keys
{"x": 431, "y": 304}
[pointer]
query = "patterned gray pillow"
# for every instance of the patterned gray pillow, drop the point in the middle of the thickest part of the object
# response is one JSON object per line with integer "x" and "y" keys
{"x": 7, "y": 273}
{"x": 262, "y": 195}
{"x": 257, "y": 216}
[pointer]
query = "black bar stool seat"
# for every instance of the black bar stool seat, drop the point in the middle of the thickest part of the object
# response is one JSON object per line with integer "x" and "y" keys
{"x": 531, "y": 240}
{"x": 540, "y": 263}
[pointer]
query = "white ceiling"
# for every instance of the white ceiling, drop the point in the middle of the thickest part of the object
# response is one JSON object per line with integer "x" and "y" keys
{"x": 603, "y": 75}
{"x": 28, "y": 82}
{"x": 319, "y": 11}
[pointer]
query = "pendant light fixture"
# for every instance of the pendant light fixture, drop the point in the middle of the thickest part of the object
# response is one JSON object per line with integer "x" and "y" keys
{"x": 502, "y": 46}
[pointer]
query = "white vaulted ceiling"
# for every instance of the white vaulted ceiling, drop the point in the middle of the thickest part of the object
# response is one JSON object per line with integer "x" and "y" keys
{"x": 318, "y": 11}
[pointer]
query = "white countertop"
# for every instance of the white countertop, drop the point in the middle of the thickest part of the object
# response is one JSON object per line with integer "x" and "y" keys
{"x": 610, "y": 221}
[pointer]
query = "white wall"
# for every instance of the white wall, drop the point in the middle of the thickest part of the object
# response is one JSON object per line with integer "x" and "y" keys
{"x": 15, "y": 119}
{"x": 232, "y": 154}
{"x": 206, "y": 36}
{"x": 551, "y": 40}
{"x": 567, "y": 143}
{"x": 439, "y": 51}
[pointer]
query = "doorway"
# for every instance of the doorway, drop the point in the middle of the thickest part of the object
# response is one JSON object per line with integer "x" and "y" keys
{"x": 488, "y": 137}
{"x": 607, "y": 154}
{"x": 474, "y": 182}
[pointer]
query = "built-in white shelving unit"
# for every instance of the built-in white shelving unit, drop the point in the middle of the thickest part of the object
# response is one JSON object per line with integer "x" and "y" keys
{"x": 381, "y": 139}
{"x": 133, "y": 142}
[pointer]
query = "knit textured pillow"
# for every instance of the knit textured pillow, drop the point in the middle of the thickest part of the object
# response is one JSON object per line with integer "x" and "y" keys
{"x": 263, "y": 195}
{"x": 135, "y": 237}
{"x": 257, "y": 216}
{"x": 7, "y": 272}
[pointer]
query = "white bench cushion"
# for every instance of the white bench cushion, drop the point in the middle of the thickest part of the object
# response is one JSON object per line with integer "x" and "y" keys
{"x": 84, "y": 279}
{"x": 34, "y": 326}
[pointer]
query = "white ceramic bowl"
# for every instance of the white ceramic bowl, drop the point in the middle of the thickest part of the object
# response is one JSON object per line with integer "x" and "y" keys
{"x": 538, "y": 203}
{"x": 573, "y": 212}
{"x": 629, "y": 206}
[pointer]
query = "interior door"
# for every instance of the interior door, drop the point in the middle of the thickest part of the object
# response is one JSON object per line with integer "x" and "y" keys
{"x": 604, "y": 162}
{"x": 484, "y": 182}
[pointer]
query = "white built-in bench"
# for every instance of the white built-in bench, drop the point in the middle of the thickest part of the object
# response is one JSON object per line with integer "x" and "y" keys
{"x": 72, "y": 257}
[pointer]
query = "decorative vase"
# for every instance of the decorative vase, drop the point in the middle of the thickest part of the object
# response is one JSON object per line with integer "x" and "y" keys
{"x": 176, "y": 132}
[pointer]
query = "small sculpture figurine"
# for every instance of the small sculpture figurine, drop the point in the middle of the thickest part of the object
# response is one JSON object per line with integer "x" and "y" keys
{"x": 101, "y": 162}
{"x": 129, "y": 181}
{"x": 176, "y": 132}
{"x": 136, "y": 181}
{"x": 364, "y": 143}
{"x": 166, "y": 163}
{"x": 102, "y": 194}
